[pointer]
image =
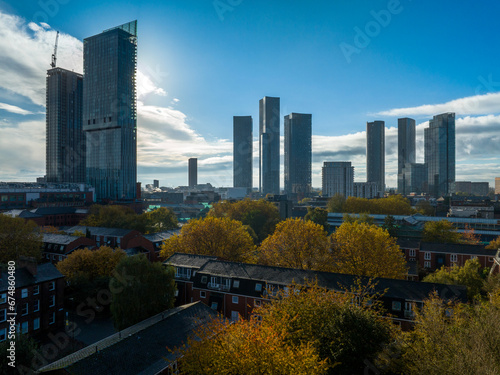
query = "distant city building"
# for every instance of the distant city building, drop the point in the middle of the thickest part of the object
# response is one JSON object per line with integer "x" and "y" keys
{"x": 337, "y": 178}
{"x": 269, "y": 145}
{"x": 413, "y": 179}
{"x": 193, "y": 172}
{"x": 480, "y": 188}
{"x": 242, "y": 151}
{"x": 65, "y": 140}
{"x": 366, "y": 190}
{"x": 497, "y": 185}
{"x": 375, "y": 154}
{"x": 470, "y": 188}
{"x": 110, "y": 111}
{"x": 439, "y": 144}
{"x": 156, "y": 184}
{"x": 298, "y": 154}
{"x": 406, "y": 149}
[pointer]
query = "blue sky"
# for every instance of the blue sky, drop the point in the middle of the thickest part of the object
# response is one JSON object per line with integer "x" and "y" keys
{"x": 201, "y": 62}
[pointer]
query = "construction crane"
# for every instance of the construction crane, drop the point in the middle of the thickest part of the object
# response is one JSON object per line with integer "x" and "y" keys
{"x": 54, "y": 55}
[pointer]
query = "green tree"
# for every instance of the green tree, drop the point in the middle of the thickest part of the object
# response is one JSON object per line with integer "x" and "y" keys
{"x": 25, "y": 348}
{"x": 222, "y": 237}
{"x": 261, "y": 215}
{"x": 336, "y": 203}
{"x": 161, "y": 219}
{"x": 361, "y": 218}
{"x": 297, "y": 244}
{"x": 318, "y": 215}
{"x": 140, "y": 289}
{"x": 425, "y": 207}
{"x": 390, "y": 225}
{"x": 441, "y": 232}
{"x": 470, "y": 275}
{"x": 367, "y": 250}
{"x": 19, "y": 237}
{"x": 114, "y": 216}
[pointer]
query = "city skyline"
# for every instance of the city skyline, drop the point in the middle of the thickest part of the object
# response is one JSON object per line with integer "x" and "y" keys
{"x": 175, "y": 123}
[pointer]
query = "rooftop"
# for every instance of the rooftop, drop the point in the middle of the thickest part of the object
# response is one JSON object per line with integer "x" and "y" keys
{"x": 45, "y": 272}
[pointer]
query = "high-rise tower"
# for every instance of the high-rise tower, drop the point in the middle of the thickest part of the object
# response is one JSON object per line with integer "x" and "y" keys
{"x": 110, "y": 111}
{"x": 242, "y": 151}
{"x": 298, "y": 154}
{"x": 375, "y": 154}
{"x": 193, "y": 172}
{"x": 406, "y": 150}
{"x": 269, "y": 145}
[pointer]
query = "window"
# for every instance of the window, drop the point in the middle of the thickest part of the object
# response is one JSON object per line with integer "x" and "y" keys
{"x": 3, "y": 315}
{"x": 3, "y": 298}
{"x": 427, "y": 264}
{"x": 36, "y": 324}
{"x": 24, "y": 293}
{"x": 36, "y": 290}
{"x": 25, "y": 309}
{"x": 214, "y": 305}
{"x": 52, "y": 319}
{"x": 36, "y": 306}
{"x": 52, "y": 300}
{"x": 52, "y": 285}
{"x": 24, "y": 327}
{"x": 60, "y": 258}
{"x": 257, "y": 302}
{"x": 176, "y": 293}
{"x": 396, "y": 306}
{"x": 258, "y": 287}
{"x": 203, "y": 279}
{"x": 453, "y": 258}
{"x": 427, "y": 255}
{"x": 412, "y": 252}
{"x": 3, "y": 334}
{"x": 236, "y": 283}
{"x": 203, "y": 295}
{"x": 235, "y": 316}
{"x": 235, "y": 299}
{"x": 473, "y": 257}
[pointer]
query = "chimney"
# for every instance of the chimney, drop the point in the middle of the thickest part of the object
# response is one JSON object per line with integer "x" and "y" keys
{"x": 29, "y": 263}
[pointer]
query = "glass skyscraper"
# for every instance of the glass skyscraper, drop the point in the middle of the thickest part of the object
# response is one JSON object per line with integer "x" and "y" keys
{"x": 192, "y": 172}
{"x": 375, "y": 154}
{"x": 298, "y": 154}
{"x": 242, "y": 151}
{"x": 439, "y": 145}
{"x": 65, "y": 140}
{"x": 269, "y": 145}
{"x": 110, "y": 111}
{"x": 406, "y": 150}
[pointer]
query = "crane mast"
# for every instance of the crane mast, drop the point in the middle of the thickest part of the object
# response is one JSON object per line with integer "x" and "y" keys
{"x": 54, "y": 55}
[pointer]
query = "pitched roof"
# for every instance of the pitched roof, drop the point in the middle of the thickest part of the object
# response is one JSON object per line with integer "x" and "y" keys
{"x": 60, "y": 239}
{"x": 100, "y": 231}
{"x": 188, "y": 260}
{"x": 161, "y": 236}
{"x": 140, "y": 349}
{"x": 456, "y": 248}
{"x": 45, "y": 272}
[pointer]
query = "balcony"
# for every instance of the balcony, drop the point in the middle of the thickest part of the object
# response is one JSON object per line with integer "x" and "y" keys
{"x": 216, "y": 286}
{"x": 409, "y": 314}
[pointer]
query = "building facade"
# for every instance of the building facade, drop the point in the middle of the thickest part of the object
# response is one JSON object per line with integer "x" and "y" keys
{"x": 375, "y": 154}
{"x": 406, "y": 149}
{"x": 413, "y": 179}
{"x": 337, "y": 178}
{"x": 439, "y": 144}
{"x": 243, "y": 151}
{"x": 65, "y": 140}
{"x": 110, "y": 111}
{"x": 193, "y": 172}
{"x": 298, "y": 154}
{"x": 269, "y": 145}
{"x": 366, "y": 190}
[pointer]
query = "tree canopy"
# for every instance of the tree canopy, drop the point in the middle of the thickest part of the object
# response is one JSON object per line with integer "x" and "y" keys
{"x": 221, "y": 237}
{"x": 318, "y": 215}
{"x": 261, "y": 215}
{"x": 367, "y": 250}
{"x": 495, "y": 244}
{"x": 297, "y": 244}
{"x": 392, "y": 205}
{"x": 140, "y": 289}
{"x": 336, "y": 203}
{"x": 19, "y": 237}
{"x": 441, "y": 232}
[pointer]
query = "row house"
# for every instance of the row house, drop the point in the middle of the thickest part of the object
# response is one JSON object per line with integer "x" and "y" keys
{"x": 51, "y": 216}
{"x": 433, "y": 256}
{"x": 39, "y": 295}
{"x": 56, "y": 247}
{"x": 235, "y": 289}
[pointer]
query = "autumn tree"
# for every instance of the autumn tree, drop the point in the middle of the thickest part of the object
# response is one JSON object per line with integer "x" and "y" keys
{"x": 425, "y": 207}
{"x": 470, "y": 237}
{"x": 19, "y": 237}
{"x": 114, "y": 216}
{"x": 361, "y": 218}
{"x": 318, "y": 215}
{"x": 336, "y": 203}
{"x": 221, "y": 237}
{"x": 297, "y": 244}
{"x": 470, "y": 275}
{"x": 392, "y": 205}
{"x": 495, "y": 244}
{"x": 261, "y": 215}
{"x": 441, "y": 232}
{"x": 367, "y": 250}
{"x": 161, "y": 219}
{"x": 140, "y": 289}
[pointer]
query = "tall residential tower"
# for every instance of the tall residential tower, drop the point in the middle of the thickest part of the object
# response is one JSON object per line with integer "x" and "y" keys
{"x": 242, "y": 151}
{"x": 110, "y": 111}
{"x": 193, "y": 172}
{"x": 406, "y": 150}
{"x": 375, "y": 154}
{"x": 269, "y": 145}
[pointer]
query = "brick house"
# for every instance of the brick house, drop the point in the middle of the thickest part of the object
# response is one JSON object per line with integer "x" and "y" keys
{"x": 57, "y": 247}
{"x": 235, "y": 289}
{"x": 39, "y": 298}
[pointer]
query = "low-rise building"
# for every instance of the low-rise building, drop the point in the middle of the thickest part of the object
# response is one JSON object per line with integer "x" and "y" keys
{"x": 57, "y": 247}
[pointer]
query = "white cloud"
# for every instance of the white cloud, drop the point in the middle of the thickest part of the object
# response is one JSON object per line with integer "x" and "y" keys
{"x": 14, "y": 109}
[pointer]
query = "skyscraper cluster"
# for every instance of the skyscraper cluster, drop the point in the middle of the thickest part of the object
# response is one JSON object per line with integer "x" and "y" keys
{"x": 92, "y": 119}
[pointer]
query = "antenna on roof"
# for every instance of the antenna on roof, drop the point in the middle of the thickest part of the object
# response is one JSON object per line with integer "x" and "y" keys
{"x": 54, "y": 55}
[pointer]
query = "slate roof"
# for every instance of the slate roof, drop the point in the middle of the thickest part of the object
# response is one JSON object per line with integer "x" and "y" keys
{"x": 188, "y": 260}
{"x": 408, "y": 244}
{"x": 100, "y": 231}
{"x": 402, "y": 289}
{"x": 60, "y": 239}
{"x": 161, "y": 236}
{"x": 54, "y": 210}
{"x": 45, "y": 272}
{"x": 140, "y": 349}
{"x": 456, "y": 248}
